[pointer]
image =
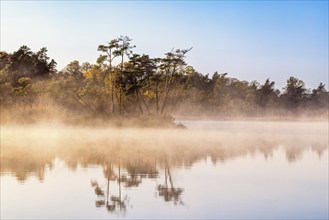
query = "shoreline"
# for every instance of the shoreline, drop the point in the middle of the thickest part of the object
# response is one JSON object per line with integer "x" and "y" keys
{"x": 253, "y": 119}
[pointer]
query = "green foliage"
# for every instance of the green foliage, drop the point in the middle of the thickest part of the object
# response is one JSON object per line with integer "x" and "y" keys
{"x": 294, "y": 92}
{"x": 145, "y": 87}
{"x": 266, "y": 95}
{"x": 25, "y": 63}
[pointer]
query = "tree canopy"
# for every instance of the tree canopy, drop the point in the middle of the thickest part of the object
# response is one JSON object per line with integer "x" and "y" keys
{"x": 124, "y": 83}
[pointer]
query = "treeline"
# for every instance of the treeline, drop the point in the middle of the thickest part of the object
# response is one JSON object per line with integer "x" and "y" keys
{"x": 123, "y": 83}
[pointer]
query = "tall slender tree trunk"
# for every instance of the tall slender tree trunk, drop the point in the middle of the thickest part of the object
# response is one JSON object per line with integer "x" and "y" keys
{"x": 164, "y": 103}
{"x": 120, "y": 202}
{"x": 107, "y": 190}
{"x": 170, "y": 179}
{"x": 120, "y": 99}
{"x": 112, "y": 98}
{"x": 121, "y": 89}
{"x": 139, "y": 103}
{"x": 166, "y": 178}
{"x": 146, "y": 106}
{"x": 157, "y": 96}
{"x": 214, "y": 104}
{"x": 111, "y": 81}
{"x": 112, "y": 88}
{"x": 167, "y": 89}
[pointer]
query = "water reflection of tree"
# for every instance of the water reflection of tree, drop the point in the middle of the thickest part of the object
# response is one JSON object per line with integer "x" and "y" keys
{"x": 170, "y": 193}
{"x": 319, "y": 148}
{"x": 22, "y": 159}
{"x": 24, "y": 162}
{"x": 128, "y": 164}
{"x": 113, "y": 203}
{"x": 293, "y": 154}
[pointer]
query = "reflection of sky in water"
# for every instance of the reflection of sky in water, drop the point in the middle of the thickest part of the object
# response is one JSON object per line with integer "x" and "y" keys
{"x": 219, "y": 176}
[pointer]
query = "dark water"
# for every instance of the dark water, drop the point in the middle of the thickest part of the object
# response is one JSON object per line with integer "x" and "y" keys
{"x": 211, "y": 170}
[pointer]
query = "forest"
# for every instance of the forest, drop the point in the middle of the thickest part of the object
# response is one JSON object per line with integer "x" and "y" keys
{"x": 125, "y": 85}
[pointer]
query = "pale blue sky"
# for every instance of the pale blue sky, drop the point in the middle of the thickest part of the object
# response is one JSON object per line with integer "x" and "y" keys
{"x": 251, "y": 40}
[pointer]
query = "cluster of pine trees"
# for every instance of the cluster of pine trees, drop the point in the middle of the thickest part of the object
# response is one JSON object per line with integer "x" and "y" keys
{"x": 123, "y": 83}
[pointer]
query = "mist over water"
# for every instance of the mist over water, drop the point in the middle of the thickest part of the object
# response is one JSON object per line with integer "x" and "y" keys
{"x": 212, "y": 169}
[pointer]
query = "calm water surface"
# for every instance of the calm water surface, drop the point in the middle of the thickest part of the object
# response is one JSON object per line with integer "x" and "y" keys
{"x": 214, "y": 169}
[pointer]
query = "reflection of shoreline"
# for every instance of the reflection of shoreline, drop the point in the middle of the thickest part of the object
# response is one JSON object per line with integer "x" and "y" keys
{"x": 25, "y": 153}
{"x": 112, "y": 186}
{"x": 119, "y": 174}
{"x": 23, "y": 168}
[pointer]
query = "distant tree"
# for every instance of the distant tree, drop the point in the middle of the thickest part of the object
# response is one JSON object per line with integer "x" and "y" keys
{"x": 137, "y": 75}
{"x": 42, "y": 64}
{"x": 320, "y": 97}
{"x": 19, "y": 71}
{"x": 320, "y": 89}
{"x": 85, "y": 67}
{"x": 220, "y": 82}
{"x": 109, "y": 50}
{"x": 123, "y": 48}
{"x": 74, "y": 69}
{"x": 294, "y": 93}
{"x": 4, "y": 59}
{"x": 171, "y": 66}
{"x": 266, "y": 94}
{"x": 95, "y": 89}
{"x": 116, "y": 48}
{"x": 251, "y": 96}
{"x": 109, "y": 57}
{"x": 25, "y": 63}
{"x": 192, "y": 91}
{"x": 24, "y": 91}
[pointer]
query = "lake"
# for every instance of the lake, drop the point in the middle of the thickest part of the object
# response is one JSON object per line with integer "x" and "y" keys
{"x": 213, "y": 169}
